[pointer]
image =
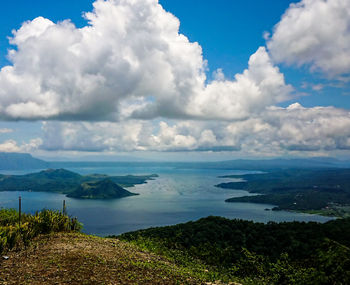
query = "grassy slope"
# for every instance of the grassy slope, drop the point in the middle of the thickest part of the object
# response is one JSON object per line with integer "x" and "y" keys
{"x": 72, "y": 258}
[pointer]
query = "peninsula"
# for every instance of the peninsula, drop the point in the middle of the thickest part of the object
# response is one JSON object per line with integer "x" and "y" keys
{"x": 319, "y": 191}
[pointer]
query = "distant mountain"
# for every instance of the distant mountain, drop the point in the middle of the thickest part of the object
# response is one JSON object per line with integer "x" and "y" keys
{"x": 103, "y": 189}
{"x": 20, "y": 161}
{"x": 238, "y": 164}
{"x": 50, "y": 180}
{"x": 24, "y": 161}
{"x": 275, "y": 164}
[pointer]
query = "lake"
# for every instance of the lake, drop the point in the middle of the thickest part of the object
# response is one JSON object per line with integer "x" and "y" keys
{"x": 176, "y": 196}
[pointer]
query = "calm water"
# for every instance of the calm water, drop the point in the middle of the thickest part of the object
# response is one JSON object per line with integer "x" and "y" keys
{"x": 176, "y": 196}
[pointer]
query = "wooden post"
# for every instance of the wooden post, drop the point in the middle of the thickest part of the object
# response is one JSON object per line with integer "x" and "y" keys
{"x": 19, "y": 209}
{"x": 64, "y": 207}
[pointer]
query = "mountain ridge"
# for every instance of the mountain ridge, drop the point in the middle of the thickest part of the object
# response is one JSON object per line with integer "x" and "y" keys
{"x": 20, "y": 161}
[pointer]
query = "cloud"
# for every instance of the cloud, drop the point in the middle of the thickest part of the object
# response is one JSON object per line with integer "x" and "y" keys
{"x": 9, "y": 146}
{"x": 129, "y": 81}
{"x": 129, "y": 61}
{"x": 129, "y": 50}
{"x": 277, "y": 131}
{"x": 5, "y": 131}
{"x": 313, "y": 86}
{"x": 219, "y": 75}
{"x": 258, "y": 87}
{"x": 94, "y": 137}
{"x": 318, "y": 128}
{"x": 317, "y": 87}
{"x": 314, "y": 33}
{"x": 12, "y": 146}
{"x": 132, "y": 135}
{"x": 32, "y": 145}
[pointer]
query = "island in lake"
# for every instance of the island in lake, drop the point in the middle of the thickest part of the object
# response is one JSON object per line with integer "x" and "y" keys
{"x": 95, "y": 186}
{"x": 318, "y": 191}
{"x": 101, "y": 189}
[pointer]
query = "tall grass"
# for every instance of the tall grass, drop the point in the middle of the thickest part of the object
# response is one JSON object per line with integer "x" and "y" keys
{"x": 14, "y": 234}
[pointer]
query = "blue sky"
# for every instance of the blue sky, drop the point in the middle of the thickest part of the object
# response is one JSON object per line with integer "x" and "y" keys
{"x": 229, "y": 33}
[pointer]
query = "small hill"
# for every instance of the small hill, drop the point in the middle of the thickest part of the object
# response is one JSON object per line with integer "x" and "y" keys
{"x": 20, "y": 161}
{"x": 102, "y": 189}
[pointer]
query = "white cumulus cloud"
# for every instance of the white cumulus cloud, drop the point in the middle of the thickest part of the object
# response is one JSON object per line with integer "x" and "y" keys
{"x": 130, "y": 81}
{"x": 130, "y": 60}
{"x": 12, "y": 145}
{"x": 259, "y": 86}
{"x": 276, "y": 131}
{"x": 9, "y": 146}
{"x": 315, "y": 33}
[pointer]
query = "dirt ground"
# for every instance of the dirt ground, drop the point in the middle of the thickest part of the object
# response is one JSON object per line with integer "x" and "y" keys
{"x": 82, "y": 259}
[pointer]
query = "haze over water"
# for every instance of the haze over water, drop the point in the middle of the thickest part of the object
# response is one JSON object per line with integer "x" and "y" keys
{"x": 176, "y": 196}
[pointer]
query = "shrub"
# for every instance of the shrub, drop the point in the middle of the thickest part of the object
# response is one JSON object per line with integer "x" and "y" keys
{"x": 13, "y": 234}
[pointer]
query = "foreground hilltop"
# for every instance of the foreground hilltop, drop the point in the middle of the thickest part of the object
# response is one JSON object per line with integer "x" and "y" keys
{"x": 47, "y": 248}
{"x": 73, "y": 258}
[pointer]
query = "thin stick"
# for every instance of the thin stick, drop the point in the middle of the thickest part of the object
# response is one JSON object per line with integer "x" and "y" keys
{"x": 64, "y": 207}
{"x": 19, "y": 209}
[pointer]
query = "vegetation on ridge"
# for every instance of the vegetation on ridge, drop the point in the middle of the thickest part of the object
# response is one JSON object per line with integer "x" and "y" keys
{"x": 211, "y": 249}
{"x": 273, "y": 253}
{"x": 17, "y": 234}
{"x": 46, "y": 249}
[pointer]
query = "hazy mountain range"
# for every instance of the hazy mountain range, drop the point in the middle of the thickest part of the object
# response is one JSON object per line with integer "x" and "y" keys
{"x": 25, "y": 161}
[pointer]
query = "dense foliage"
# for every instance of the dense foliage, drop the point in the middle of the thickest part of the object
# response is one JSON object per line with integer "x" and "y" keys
{"x": 273, "y": 253}
{"x": 15, "y": 234}
{"x": 297, "y": 189}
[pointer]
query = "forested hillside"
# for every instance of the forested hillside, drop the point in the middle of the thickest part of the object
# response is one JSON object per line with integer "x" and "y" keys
{"x": 273, "y": 253}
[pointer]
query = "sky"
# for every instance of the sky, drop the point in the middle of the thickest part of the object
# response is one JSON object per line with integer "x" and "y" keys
{"x": 175, "y": 80}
